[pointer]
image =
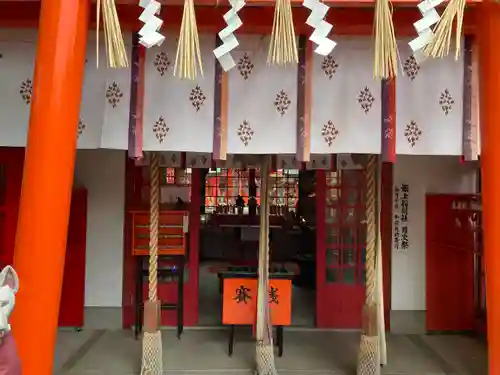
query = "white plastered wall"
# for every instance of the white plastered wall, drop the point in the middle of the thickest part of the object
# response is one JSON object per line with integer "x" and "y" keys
{"x": 102, "y": 172}
{"x": 423, "y": 174}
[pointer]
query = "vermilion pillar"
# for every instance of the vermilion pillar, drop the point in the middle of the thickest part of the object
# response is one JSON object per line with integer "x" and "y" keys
{"x": 47, "y": 179}
{"x": 489, "y": 30}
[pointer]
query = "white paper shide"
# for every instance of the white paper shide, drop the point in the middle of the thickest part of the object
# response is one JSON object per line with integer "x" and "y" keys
{"x": 149, "y": 34}
{"x": 227, "y": 37}
{"x": 423, "y": 27}
{"x": 321, "y": 28}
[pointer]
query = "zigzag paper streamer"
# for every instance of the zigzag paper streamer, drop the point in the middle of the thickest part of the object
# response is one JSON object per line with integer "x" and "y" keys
{"x": 321, "y": 28}
{"x": 227, "y": 37}
{"x": 423, "y": 27}
{"x": 149, "y": 35}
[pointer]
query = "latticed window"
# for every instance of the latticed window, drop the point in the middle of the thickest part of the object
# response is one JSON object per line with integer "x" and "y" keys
{"x": 169, "y": 176}
{"x": 222, "y": 187}
{"x": 284, "y": 190}
{"x": 174, "y": 182}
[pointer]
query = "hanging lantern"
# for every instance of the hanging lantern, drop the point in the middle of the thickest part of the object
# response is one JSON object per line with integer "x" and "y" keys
{"x": 227, "y": 37}
{"x": 149, "y": 33}
{"x": 283, "y": 45}
{"x": 116, "y": 54}
{"x": 188, "y": 47}
{"x": 321, "y": 28}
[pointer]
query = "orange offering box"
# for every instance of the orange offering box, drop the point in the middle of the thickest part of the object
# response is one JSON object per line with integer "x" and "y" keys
{"x": 239, "y": 300}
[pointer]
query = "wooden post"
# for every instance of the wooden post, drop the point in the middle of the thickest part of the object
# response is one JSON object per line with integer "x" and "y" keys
{"x": 48, "y": 179}
{"x": 489, "y": 29}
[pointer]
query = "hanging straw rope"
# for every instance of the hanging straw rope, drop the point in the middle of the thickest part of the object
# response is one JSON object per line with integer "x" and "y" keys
{"x": 264, "y": 348}
{"x": 152, "y": 352}
{"x": 283, "y": 43}
{"x": 386, "y": 53}
{"x": 188, "y": 48}
{"x": 116, "y": 54}
{"x": 369, "y": 355}
{"x": 440, "y": 45}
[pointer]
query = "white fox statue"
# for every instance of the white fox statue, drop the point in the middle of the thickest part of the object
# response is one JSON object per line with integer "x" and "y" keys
{"x": 10, "y": 363}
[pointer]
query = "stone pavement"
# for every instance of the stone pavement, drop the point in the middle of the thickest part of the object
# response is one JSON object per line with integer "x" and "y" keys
{"x": 311, "y": 352}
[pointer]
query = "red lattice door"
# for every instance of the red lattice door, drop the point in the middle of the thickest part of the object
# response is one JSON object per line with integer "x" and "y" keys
{"x": 341, "y": 248}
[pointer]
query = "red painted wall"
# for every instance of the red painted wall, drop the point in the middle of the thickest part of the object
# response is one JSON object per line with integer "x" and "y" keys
{"x": 71, "y": 313}
{"x": 449, "y": 266}
{"x": 73, "y": 289}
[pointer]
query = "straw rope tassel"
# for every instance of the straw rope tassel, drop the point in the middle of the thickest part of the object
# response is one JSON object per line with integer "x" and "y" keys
{"x": 386, "y": 54}
{"x": 283, "y": 44}
{"x": 116, "y": 54}
{"x": 188, "y": 54}
{"x": 440, "y": 45}
{"x": 152, "y": 353}
{"x": 369, "y": 355}
{"x": 264, "y": 348}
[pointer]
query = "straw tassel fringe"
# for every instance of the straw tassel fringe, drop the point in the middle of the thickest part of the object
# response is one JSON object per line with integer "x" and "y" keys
{"x": 385, "y": 61}
{"x": 116, "y": 54}
{"x": 440, "y": 45}
{"x": 283, "y": 45}
{"x": 188, "y": 48}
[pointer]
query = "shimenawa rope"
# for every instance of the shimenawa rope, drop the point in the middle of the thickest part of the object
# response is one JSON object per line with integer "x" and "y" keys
{"x": 152, "y": 352}
{"x": 369, "y": 355}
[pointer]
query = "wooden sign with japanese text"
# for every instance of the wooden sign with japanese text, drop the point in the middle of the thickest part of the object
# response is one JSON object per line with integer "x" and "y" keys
{"x": 239, "y": 301}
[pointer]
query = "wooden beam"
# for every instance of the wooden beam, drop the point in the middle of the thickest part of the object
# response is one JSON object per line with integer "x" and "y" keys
{"x": 346, "y": 20}
{"x": 217, "y": 3}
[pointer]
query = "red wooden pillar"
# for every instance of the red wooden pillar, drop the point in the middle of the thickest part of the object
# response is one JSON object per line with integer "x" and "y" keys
{"x": 489, "y": 29}
{"x": 191, "y": 290}
{"x": 48, "y": 178}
